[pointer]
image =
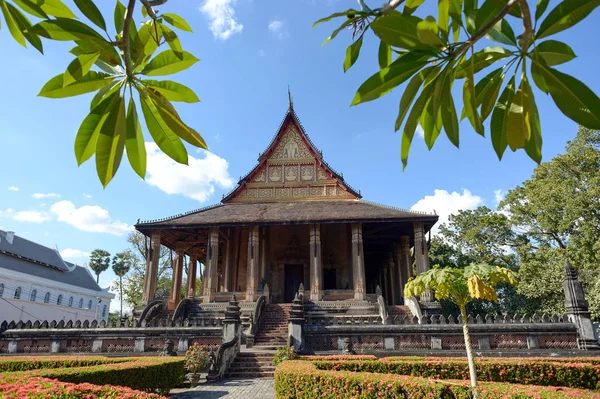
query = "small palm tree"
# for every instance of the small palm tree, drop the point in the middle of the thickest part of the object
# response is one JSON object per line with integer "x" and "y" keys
{"x": 461, "y": 286}
{"x": 99, "y": 262}
{"x": 121, "y": 264}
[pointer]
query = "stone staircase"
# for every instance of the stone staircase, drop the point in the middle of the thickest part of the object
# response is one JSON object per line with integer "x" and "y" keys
{"x": 273, "y": 329}
{"x": 252, "y": 364}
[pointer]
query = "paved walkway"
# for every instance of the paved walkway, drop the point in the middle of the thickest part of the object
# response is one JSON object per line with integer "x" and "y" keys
{"x": 258, "y": 388}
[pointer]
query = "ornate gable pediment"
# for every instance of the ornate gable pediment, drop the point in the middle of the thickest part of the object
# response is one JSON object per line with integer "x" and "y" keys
{"x": 291, "y": 169}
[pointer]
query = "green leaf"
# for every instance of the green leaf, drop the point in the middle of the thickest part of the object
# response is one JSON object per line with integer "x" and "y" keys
{"x": 448, "y": 112}
{"x": 412, "y": 121}
{"x": 176, "y": 21}
{"x": 32, "y": 8}
{"x": 171, "y": 118}
{"x": 167, "y": 63}
{"x": 172, "y": 40}
{"x": 411, "y": 91}
{"x": 411, "y": 5}
{"x": 89, "y": 130}
{"x": 572, "y": 97}
{"x": 173, "y": 91}
{"x": 444, "y": 15}
{"x": 144, "y": 45}
{"x": 66, "y": 29}
{"x": 470, "y": 107}
{"x": 518, "y": 130}
{"x": 13, "y": 27}
{"x": 91, "y": 12}
{"x": 432, "y": 126}
{"x": 105, "y": 92}
{"x": 428, "y": 32}
{"x": 350, "y": 14}
{"x": 565, "y": 15}
{"x": 56, "y": 8}
{"x": 79, "y": 67}
{"x": 144, "y": 12}
{"x": 119, "y": 16}
{"x": 540, "y": 8}
{"x": 537, "y": 74}
{"x": 352, "y": 53}
{"x": 502, "y": 33}
{"x": 338, "y": 30}
{"x": 554, "y": 52}
{"x": 108, "y": 54}
{"x": 92, "y": 81}
{"x": 533, "y": 147}
{"x": 164, "y": 137}
{"x": 111, "y": 142}
{"x": 386, "y": 79}
{"x": 398, "y": 30}
{"x": 487, "y": 90}
{"x": 480, "y": 60}
{"x": 384, "y": 54}
{"x": 24, "y": 25}
{"x": 134, "y": 141}
{"x": 499, "y": 122}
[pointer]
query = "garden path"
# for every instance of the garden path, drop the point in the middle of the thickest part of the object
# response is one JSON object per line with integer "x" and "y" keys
{"x": 229, "y": 388}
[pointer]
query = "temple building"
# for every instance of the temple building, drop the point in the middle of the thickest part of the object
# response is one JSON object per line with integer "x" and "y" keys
{"x": 292, "y": 220}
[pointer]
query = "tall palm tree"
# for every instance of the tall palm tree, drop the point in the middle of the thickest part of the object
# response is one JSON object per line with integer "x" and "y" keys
{"x": 121, "y": 264}
{"x": 99, "y": 262}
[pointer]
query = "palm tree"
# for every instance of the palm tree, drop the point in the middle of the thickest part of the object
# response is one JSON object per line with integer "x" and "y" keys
{"x": 121, "y": 264}
{"x": 99, "y": 262}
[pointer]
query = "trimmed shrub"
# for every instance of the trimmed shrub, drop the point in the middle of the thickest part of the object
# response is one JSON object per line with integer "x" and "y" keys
{"x": 522, "y": 371}
{"x": 302, "y": 380}
{"x": 337, "y": 357}
{"x": 23, "y": 363}
{"x": 284, "y": 353}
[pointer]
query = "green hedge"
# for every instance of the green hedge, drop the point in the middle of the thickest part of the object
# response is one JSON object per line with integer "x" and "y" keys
{"x": 522, "y": 371}
{"x": 299, "y": 379}
{"x": 148, "y": 374}
{"x": 25, "y": 363}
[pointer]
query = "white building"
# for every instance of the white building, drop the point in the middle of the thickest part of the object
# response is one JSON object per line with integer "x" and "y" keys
{"x": 37, "y": 284}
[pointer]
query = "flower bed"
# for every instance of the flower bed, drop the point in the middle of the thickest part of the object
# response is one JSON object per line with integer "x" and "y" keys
{"x": 523, "y": 371}
{"x": 148, "y": 374}
{"x": 302, "y": 379}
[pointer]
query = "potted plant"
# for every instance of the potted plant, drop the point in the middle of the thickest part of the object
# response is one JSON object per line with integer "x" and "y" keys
{"x": 195, "y": 361}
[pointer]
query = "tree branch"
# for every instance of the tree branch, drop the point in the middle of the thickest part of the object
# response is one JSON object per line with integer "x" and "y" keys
{"x": 527, "y": 24}
{"x": 392, "y": 5}
{"x": 149, "y": 8}
{"x": 126, "y": 28}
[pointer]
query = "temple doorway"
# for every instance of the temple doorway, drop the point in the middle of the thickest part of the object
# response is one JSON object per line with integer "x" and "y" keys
{"x": 294, "y": 276}
{"x": 329, "y": 279}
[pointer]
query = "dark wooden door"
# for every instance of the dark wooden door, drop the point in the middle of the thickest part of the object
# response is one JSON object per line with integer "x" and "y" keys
{"x": 329, "y": 279}
{"x": 294, "y": 276}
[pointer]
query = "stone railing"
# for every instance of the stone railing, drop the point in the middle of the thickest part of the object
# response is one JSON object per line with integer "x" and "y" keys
{"x": 232, "y": 336}
{"x": 255, "y": 320}
{"x": 437, "y": 333}
{"x": 77, "y": 337}
{"x": 333, "y": 320}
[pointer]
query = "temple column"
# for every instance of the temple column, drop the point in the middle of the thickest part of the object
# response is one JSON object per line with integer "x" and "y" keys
{"x": 175, "y": 297}
{"x": 228, "y": 269}
{"x": 401, "y": 271}
{"x": 358, "y": 262}
{"x": 386, "y": 286}
{"x": 263, "y": 273}
{"x": 212, "y": 262}
{"x": 152, "y": 261}
{"x": 422, "y": 256}
{"x": 406, "y": 263}
{"x": 392, "y": 267}
{"x": 316, "y": 266}
{"x": 191, "y": 280}
{"x": 253, "y": 264}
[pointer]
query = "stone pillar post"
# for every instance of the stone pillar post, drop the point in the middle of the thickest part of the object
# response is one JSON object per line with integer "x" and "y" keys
{"x": 400, "y": 269}
{"x": 386, "y": 283}
{"x": 231, "y": 323}
{"x": 316, "y": 267}
{"x": 406, "y": 263}
{"x": 393, "y": 280}
{"x": 578, "y": 310}
{"x": 212, "y": 261}
{"x": 264, "y": 263}
{"x": 253, "y": 264}
{"x": 228, "y": 270}
{"x": 191, "y": 282}
{"x": 177, "y": 278}
{"x": 296, "y": 324}
{"x": 358, "y": 262}
{"x": 422, "y": 256}
{"x": 151, "y": 268}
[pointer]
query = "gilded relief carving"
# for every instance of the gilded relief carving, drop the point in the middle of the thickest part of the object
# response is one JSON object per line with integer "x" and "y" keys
{"x": 261, "y": 176}
{"x": 275, "y": 173}
{"x": 322, "y": 174}
{"x": 307, "y": 172}
{"x": 291, "y": 146}
{"x": 291, "y": 172}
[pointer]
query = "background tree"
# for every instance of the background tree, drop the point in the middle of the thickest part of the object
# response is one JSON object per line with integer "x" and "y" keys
{"x": 121, "y": 264}
{"x": 99, "y": 262}
{"x": 461, "y": 286}
{"x": 432, "y": 53}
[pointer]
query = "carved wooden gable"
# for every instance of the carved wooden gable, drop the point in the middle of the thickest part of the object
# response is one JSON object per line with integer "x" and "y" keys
{"x": 291, "y": 170}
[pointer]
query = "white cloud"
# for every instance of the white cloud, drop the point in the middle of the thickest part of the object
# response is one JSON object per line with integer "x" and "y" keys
{"x": 31, "y": 216}
{"x": 279, "y": 29}
{"x": 71, "y": 253}
{"x": 91, "y": 218}
{"x": 221, "y": 14}
{"x": 446, "y": 204}
{"x": 13, "y": 188}
{"x": 88, "y": 196}
{"x": 499, "y": 196}
{"x": 45, "y": 195}
{"x": 197, "y": 180}
{"x": 420, "y": 131}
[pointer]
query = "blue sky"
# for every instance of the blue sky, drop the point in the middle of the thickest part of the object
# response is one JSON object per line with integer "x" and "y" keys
{"x": 250, "y": 52}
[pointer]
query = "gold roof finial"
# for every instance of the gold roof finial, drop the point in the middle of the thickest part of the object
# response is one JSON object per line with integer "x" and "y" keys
{"x": 290, "y": 101}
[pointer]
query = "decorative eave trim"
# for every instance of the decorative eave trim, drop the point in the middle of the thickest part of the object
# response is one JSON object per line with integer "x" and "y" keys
{"x": 142, "y": 223}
